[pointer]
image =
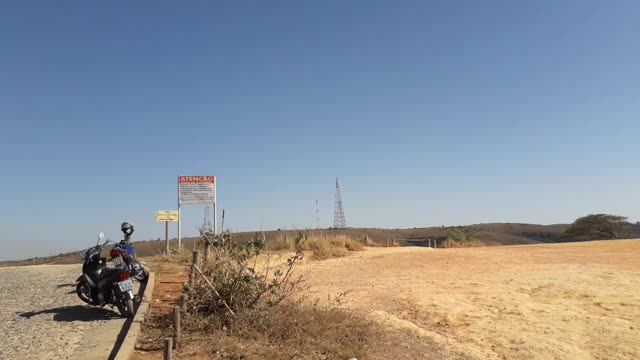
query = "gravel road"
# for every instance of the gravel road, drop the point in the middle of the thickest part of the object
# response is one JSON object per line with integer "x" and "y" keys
{"x": 41, "y": 317}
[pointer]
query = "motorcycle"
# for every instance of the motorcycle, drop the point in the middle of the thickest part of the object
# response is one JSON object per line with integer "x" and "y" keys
{"x": 124, "y": 255}
{"x": 100, "y": 285}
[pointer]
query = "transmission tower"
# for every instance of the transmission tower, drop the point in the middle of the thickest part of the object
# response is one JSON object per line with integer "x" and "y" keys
{"x": 317, "y": 216}
{"x": 206, "y": 222}
{"x": 338, "y": 215}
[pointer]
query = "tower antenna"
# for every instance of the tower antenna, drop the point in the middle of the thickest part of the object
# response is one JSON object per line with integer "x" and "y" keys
{"x": 338, "y": 216}
{"x": 317, "y": 216}
{"x": 206, "y": 222}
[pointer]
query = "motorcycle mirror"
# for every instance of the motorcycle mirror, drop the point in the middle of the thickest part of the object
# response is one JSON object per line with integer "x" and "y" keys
{"x": 81, "y": 253}
{"x": 100, "y": 236}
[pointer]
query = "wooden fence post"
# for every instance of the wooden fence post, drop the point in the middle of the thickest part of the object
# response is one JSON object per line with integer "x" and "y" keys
{"x": 195, "y": 258}
{"x": 168, "y": 348}
{"x": 183, "y": 301}
{"x": 176, "y": 325}
{"x": 207, "y": 248}
{"x": 192, "y": 280}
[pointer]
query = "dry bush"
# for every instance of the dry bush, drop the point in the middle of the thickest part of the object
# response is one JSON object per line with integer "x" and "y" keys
{"x": 324, "y": 250}
{"x": 331, "y": 246}
{"x": 353, "y": 245}
{"x": 240, "y": 310}
{"x": 233, "y": 283}
{"x": 281, "y": 244}
{"x": 322, "y": 247}
{"x": 370, "y": 243}
{"x": 176, "y": 256}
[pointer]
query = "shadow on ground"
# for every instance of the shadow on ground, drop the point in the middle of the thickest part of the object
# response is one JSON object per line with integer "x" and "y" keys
{"x": 65, "y": 285}
{"x": 74, "y": 313}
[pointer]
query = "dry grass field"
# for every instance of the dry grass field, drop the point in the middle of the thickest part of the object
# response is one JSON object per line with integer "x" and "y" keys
{"x": 549, "y": 301}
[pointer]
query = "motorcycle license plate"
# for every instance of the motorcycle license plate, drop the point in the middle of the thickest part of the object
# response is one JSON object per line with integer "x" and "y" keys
{"x": 125, "y": 285}
{"x": 118, "y": 261}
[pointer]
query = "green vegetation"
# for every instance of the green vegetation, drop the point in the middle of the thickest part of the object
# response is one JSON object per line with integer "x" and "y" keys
{"x": 463, "y": 238}
{"x": 599, "y": 227}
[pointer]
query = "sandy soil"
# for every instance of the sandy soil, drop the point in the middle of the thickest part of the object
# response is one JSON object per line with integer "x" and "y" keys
{"x": 558, "y": 301}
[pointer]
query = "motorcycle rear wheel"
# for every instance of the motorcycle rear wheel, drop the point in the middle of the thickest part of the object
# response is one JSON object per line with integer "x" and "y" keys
{"x": 126, "y": 309}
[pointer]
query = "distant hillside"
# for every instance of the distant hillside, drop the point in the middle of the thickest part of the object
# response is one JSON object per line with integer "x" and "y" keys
{"x": 491, "y": 234}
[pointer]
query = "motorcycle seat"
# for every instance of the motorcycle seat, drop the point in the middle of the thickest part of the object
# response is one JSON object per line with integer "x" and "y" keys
{"x": 108, "y": 272}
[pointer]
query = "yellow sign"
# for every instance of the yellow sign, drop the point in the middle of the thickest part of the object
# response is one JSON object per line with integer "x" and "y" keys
{"x": 167, "y": 215}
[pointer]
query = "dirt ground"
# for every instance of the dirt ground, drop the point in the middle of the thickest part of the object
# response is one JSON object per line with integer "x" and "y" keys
{"x": 168, "y": 288}
{"x": 552, "y": 301}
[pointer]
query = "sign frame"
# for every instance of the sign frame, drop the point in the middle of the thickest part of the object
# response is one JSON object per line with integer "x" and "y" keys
{"x": 167, "y": 215}
{"x": 202, "y": 191}
{"x": 196, "y": 190}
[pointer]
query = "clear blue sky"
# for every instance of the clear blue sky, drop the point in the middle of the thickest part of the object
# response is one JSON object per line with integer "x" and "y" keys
{"x": 432, "y": 113}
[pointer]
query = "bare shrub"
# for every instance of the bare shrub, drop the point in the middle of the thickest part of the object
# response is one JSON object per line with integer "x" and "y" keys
{"x": 232, "y": 283}
{"x": 246, "y": 307}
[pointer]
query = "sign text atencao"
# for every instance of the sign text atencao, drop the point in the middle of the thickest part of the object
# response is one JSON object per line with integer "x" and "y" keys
{"x": 196, "y": 190}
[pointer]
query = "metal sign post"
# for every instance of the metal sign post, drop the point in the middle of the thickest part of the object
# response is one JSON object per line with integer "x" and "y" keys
{"x": 195, "y": 190}
{"x": 179, "y": 218}
{"x": 215, "y": 216}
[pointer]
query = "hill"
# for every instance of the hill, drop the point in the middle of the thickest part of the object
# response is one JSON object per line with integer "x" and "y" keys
{"x": 490, "y": 234}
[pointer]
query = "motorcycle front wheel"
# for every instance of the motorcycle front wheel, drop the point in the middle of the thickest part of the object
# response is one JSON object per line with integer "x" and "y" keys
{"x": 84, "y": 291}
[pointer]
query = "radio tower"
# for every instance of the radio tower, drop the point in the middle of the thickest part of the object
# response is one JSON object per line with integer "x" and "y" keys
{"x": 206, "y": 223}
{"x": 338, "y": 215}
{"x": 317, "y": 216}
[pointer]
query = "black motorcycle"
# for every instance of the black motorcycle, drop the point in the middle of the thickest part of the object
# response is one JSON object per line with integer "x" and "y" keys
{"x": 99, "y": 285}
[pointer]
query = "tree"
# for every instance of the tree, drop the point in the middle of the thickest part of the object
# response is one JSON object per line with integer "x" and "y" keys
{"x": 462, "y": 236}
{"x": 599, "y": 227}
